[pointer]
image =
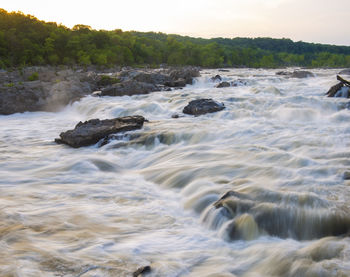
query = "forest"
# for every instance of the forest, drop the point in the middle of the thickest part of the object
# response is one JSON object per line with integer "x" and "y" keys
{"x": 27, "y": 41}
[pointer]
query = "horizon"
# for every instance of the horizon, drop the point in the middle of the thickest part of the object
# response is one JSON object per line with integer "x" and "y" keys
{"x": 187, "y": 19}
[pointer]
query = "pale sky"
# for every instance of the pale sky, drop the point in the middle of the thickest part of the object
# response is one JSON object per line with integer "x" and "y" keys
{"x": 323, "y": 21}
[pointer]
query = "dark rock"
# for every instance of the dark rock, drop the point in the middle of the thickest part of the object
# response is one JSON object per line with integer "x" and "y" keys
{"x": 92, "y": 131}
{"x": 129, "y": 88}
{"x": 283, "y": 73}
{"x": 223, "y": 70}
{"x": 176, "y": 83}
{"x": 203, "y": 106}
{"x": 345, "y": 71}
{"x": 346, "y": 175}
{"x": 106, "y": 80}
{"x": 334, "y": 89}
{"x": 223, "y": 85}
{"x": 175, "y": 115}
{"x": 216, "y": 78}
{"x": 142, "y": 270}
{"x": 341, "y": 89}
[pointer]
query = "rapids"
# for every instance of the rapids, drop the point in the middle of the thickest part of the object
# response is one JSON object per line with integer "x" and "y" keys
{"x": 258, "y": 189}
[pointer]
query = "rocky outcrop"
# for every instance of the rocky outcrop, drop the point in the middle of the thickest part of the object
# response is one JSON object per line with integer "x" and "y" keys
{"x": 296, "y": 74}
{"x": 342, "y": 89}
{"x": 43, "y": 88}
{"x": 92, "y": 131}
{"x": 223, "y": 85}
{"x": 128, "y": 88}
{"x": 51, "y": 88}
{"x": 203, "y": 106}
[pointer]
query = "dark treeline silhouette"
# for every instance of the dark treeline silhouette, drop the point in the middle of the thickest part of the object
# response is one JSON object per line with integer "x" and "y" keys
{"x": 25, "y": 41}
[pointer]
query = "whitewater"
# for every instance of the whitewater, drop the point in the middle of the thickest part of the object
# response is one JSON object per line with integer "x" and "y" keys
{"x": 258, "y": 189}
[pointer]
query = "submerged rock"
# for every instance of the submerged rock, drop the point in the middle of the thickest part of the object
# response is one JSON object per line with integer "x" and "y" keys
{"x": 216, "y": 78}
{"x": 203, "y": 106}
{"x": 223, "y": 85}
{"x": 345, "y": 71}
{"x": 128, "y": 88}
{"x": 260, "y": 212}
{"x": 91, "y": 131}
{"x": 142, "y": 270}
{"x": 296, "y": 74}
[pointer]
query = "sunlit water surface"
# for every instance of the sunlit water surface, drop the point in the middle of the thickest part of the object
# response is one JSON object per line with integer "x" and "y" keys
{"x": 280, "y": 148}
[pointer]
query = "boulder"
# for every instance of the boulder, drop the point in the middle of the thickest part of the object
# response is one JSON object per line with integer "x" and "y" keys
{"x": 223, "y": 85}
{"x": 128, "y": 88}
{"x": 91, "y": 131}
{"x": 203, "y": 106}
{"x": 216, "y": 78}
{"x": 152, "y": 78}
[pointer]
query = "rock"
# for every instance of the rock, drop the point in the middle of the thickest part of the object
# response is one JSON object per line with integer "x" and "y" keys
{"x": 177, "y": 83}
{"x": 302, "y": 74}
{"x": 92, "y": 131}
{"x": 296, "y": 74}
{"x": 186, "y": 73}
{"x": 341, "y": 89}
{"x": 346, "y": 175}
{"x": 41, "y": 96}
{"x": 223, "y": 85}
{"x": 239, "y": 82}
{"x": 128, "y": 88}
{"x": 203, "y": 106}
{"x": 175, "y": 115}
{"x": 216, "y": 78}
{"x": 152, "y": 78}
{"x": 345, "y": 71}
{"x": 223, "y": 70}
{"x": 142, "y": 270}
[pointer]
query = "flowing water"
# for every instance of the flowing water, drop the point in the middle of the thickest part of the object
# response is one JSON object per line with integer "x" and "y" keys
{"x": 258, "y": 189}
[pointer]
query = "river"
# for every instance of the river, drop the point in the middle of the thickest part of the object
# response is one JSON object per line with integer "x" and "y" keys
{"x": 258, "y": 189}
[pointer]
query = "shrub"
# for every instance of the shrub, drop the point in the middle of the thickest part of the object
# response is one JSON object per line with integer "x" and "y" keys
{"x": 33, "y": 77}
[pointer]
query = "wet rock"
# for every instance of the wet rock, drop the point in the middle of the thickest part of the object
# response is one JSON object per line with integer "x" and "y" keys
{"x": 223, "y": 70}
{"x": 175, "y": 115}
{"x": 345, "y": 71}
{"x": 128, "y": 88}
{"x": 203, "y": 106}
{"x": 91, "y": 131}
{"x": 142, "y": 270}
{"x": 298, "y": 216}
{"x": 346, "y": 175}
{"x": 176, "y": 83}
{"x": 239, "y": 82}
{"x": 216, "y": 78}
{"x": 223, "y": 85}
{"x": 342, "y": 89}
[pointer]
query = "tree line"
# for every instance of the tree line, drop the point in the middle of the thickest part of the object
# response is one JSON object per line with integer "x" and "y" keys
{"x": 26, "y": 41}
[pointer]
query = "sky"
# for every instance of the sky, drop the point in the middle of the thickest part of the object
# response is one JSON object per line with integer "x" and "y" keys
{"x": 319, "y": 21}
